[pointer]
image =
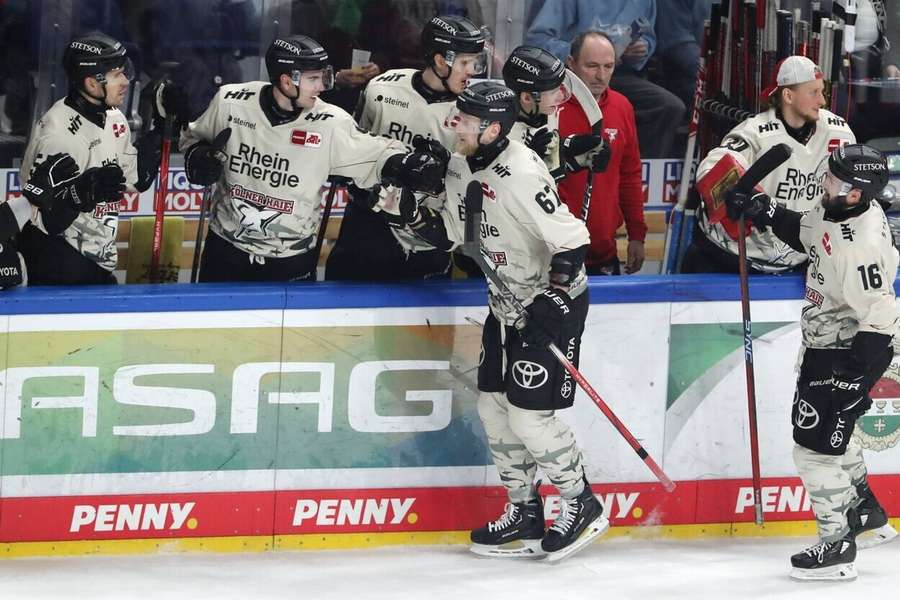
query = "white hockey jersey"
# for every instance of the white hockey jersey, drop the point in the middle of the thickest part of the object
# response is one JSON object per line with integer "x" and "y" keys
{"x": 63, "y": 129}
{"x": 268, "y": 202}
{"x": 391, "y": 107}
{"x": 793, "y": 183}
{"x": 523, "y": 133}
{"x": 849, "y": 279}
{"x": 523, "y": 223}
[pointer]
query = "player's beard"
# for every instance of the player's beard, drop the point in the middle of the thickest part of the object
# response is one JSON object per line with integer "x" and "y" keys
{"x": 465, "y": 147}
{"x": 834, "y": 204}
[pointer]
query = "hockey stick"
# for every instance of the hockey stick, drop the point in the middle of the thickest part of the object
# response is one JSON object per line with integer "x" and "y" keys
{"x": 159, "y": 203}
{"x": 218, "y": 144}
{"x": 589, "y": 104}
{"x": 767, "y": 163}
{"x": 472, "y": 248}
{"x": 678, "y": 216}
{"x": 326, "y": 213}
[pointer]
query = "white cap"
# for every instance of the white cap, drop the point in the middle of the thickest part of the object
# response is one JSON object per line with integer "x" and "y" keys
{"x": 793, "y": 70}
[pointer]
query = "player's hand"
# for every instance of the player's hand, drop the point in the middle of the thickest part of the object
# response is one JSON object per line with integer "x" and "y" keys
{"x": 47, "y": 181}
{"x": 97, "y": 185}
{"x": 421, "y": 170}
{"x": 539, "y": 141}
{"x": 635, "y": 256}
{"x": 172, "y": 100}
{"x": 755, "y": 206}
{"x": 586, "y": 151}
{"x": 402, "y": 209}
{"x": 203, "y": 161}
{"x": 546, "y": 315}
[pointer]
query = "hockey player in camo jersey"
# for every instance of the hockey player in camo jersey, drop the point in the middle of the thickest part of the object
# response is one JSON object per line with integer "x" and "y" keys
{"x": 285, "y": 142}
{"x": 796, "y": 118}
{"x": 408, "y": 105}
{"x": 538, "y": 249}
{"x": 74, "y": 240}
{"x": 848, "y": 324}
{"x": 539, "y": 80}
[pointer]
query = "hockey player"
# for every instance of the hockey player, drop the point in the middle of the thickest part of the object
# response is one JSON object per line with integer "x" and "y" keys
{"x": 285, "y": 142}
{"x": 406, "y": 105}
{"x": 848, "y": 324}
{"x": 797, "y": 118}
{"x": 538, "y": 79}
{"x": 538, "y": 248}
{"x": 50, "y": 183}
{"x": 75, "y": 242}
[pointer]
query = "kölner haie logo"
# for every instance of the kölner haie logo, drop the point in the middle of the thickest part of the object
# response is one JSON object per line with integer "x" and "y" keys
{"x": 879, "y": 428}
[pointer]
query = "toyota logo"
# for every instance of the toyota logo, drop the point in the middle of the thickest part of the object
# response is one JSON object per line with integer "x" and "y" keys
{"x": 529, "y": 375}
{"x": 837, "y": 438}
{"x": 566, "y": 389}
{"x": 807, "y": 416}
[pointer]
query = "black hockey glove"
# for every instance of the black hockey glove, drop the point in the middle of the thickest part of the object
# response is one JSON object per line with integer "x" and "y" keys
{"x": 96, "y": 186}
{"x": 47, "y": 180}
{"x": 407, "y": 210}
{"x": 586, "y": 152}
{"x": 420, "y": 170}
{"x": 539, "y": 141}
{"x": 171, "y": 99}
{"x": 203, "y": 162}
{"x": 546, "y": 315}
{"x": 756, "y": 206}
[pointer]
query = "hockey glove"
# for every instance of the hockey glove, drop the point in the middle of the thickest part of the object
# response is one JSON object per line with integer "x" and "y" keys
{"x": 96, "y": 186}
{"x": 46, "y": 182}
{"x": 171, "y": 99}
{"x": 400, "y": 208}
{"x": 418, "y": 170}
{"x": 539, "y": 141}
{"x": 203, "y": 163}
{"x": 848, "y": 389}
{"x": 546, "y": 316}
{"x": 756, "y": 206}
{"x": 586, "y": 152}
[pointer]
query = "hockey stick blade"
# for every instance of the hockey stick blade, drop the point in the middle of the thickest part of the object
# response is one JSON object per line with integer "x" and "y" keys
{"x": 472, "y": 248}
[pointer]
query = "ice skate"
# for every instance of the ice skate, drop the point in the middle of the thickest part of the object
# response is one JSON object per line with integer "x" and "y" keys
{"x": 826, "y": 561}
{"x": 869, "y": 521}
{"x": 580, "y": 521}
{"x": 516, "y": 534}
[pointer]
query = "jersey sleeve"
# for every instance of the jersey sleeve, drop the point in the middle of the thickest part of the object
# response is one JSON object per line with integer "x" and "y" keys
{"x": 359, "y": 155}
{"x": 546, "y": 217}
{"x": 739, "y": 143}
{"x": 867, "y": 282}
{"x": 205, "y": 128}
{"x": 128, "y": 161}
{"x": 47, "y": 145}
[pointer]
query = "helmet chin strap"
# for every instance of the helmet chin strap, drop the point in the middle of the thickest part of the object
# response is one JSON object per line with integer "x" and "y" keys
{"x": 444, "y": 80}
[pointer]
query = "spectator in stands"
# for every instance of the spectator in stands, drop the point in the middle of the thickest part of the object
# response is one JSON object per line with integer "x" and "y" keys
{"x": 629, "y": 24}
{"x": 679, "y": 31}
{"x": 617, "y": 193}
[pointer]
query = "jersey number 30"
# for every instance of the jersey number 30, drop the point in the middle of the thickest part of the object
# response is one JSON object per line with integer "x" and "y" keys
{"x": 871, "y": 276}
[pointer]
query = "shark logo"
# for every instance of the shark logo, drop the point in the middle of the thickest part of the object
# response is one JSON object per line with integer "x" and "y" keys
{"x": 255, "y": 219}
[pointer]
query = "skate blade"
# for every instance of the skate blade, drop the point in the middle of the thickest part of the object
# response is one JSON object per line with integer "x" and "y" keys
{"x": 598, "y": 527}
{"x": 845, "y": 572}
{"x": 515, "y": 549}
{"x": 876, "y": 537}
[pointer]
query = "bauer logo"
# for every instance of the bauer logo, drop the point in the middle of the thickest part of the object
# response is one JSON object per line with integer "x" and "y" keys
{"x": 132, "y": 517}
{"x": 310, "y": 139}
{"x": 333, "y": 512}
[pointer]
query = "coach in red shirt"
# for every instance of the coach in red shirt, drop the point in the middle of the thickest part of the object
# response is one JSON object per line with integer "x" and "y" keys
{"x": 617, "y": 193}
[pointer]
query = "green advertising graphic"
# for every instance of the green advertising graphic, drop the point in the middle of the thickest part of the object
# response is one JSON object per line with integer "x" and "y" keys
{"x": 160, "y": 400}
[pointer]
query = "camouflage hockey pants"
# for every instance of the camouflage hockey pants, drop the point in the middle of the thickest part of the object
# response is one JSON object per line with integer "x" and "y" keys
{"x": 521, "y": 440}
{"x": 830, "y": 482}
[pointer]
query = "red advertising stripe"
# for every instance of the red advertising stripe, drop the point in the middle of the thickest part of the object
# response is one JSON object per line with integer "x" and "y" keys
{"x": 400, "y": 510}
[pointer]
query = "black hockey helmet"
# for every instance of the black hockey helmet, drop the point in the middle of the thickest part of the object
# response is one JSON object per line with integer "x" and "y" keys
{"x": 293, "y": 54}
{"x": 860, "y": 167}
{"x": 489, "y": 101}
{"x": 451, "y": 35}
{"x": 532, "y": 69}
{"x": 94, "y": 54}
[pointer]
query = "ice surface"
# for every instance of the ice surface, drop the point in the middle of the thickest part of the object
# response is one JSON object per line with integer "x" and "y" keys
{"x": 610, "y": 569}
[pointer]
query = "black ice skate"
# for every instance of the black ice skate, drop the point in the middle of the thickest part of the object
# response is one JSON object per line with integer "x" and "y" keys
{"x": 869, "y": 521}
{"x": 826, "y": 561}
{"x": 580, "y": 521}
{"x": 516, "y": 534}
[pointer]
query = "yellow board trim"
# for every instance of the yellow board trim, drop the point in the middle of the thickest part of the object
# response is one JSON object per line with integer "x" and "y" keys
{"x": 355, "y": 541}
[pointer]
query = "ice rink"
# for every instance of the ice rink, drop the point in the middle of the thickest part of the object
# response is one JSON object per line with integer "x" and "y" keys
{"x": 610, "y": 569}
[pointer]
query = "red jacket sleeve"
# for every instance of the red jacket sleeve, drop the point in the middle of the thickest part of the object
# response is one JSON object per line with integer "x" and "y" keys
{"x": 631, "y": 193}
